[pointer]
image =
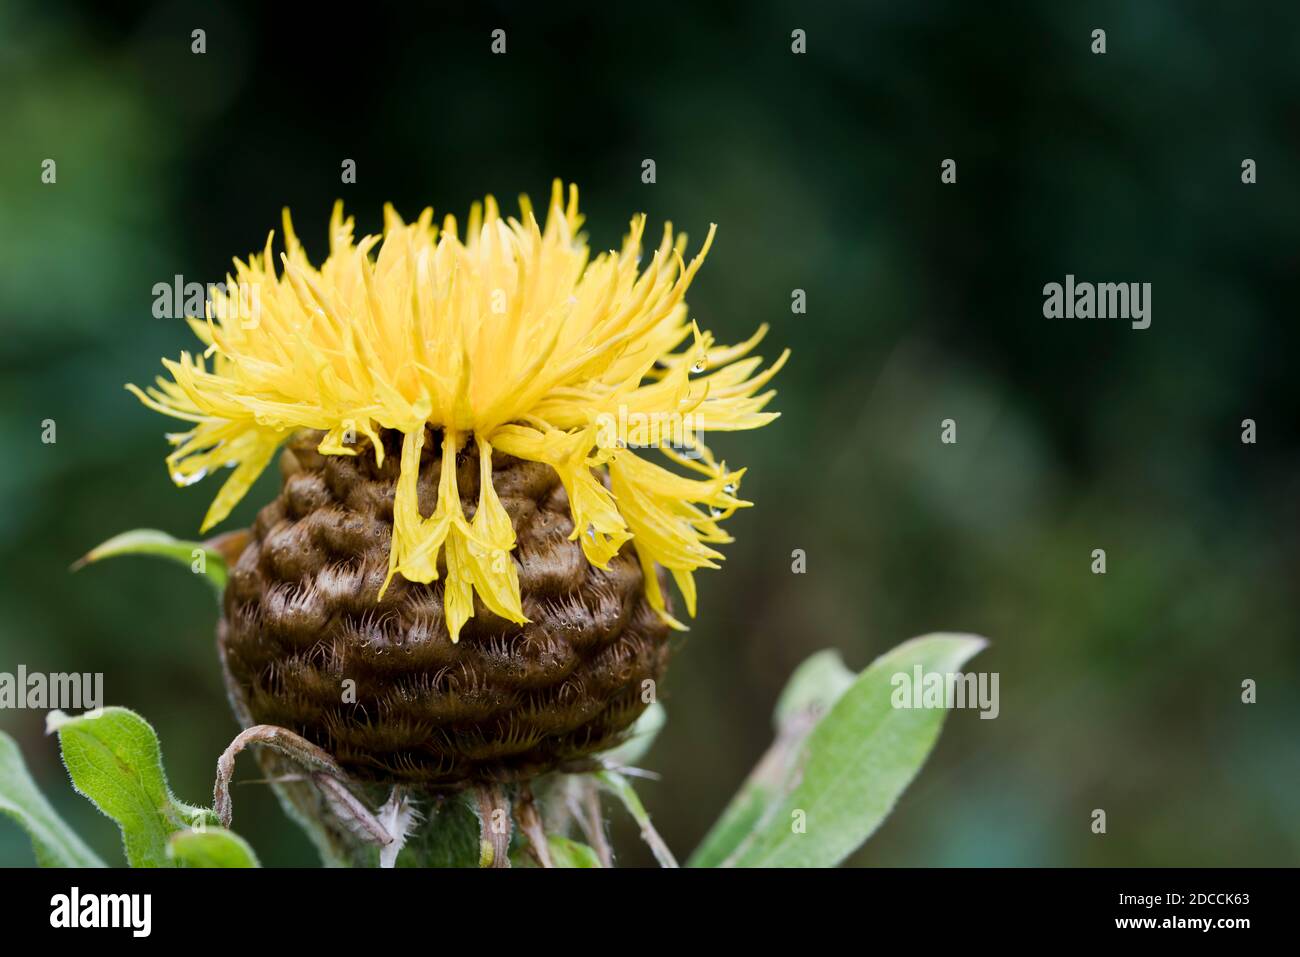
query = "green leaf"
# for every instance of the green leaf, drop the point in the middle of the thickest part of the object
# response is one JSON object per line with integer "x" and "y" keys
{"x": 199, "y": 557}
{"x": 741, "y": 817}
{"x": 639, "y": 739}
{"x": 449, "y": 837}
{"x": 812, "y": 690}
{"x": 814, "y": 687}
{"x": 55, "y": 844}
{"x": 843, "y": 776}
{"x": 210, "y": 847}
{"x": 565, "y": 852}
{"x": 113, "y": 757}
{"x": 569, "y": 853}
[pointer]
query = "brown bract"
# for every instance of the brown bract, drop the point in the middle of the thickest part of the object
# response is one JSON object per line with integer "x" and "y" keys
{"x": 308, "y": 645}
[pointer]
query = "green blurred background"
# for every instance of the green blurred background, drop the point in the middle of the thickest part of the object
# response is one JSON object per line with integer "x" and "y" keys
{"x": 1119, "y": 692}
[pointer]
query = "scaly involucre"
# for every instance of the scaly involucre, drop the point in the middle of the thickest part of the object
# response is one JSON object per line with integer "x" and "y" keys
{"x": 513, "y": 337}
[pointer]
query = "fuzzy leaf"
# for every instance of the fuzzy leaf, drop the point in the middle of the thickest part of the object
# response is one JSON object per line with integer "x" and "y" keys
{"x": 113, "y": 757}
{"x": 565, "y": 852}
{"x": 55, "y": 844}
{"x": 843, "y": 776}
{"x": 569, "y": 853}
{"x": 812, "y": 690}
{"x": 210, "y": 847}
{"x": 448, "y": 838}
{"x": 741, "y": 817}
{"x": 148, "y": 541}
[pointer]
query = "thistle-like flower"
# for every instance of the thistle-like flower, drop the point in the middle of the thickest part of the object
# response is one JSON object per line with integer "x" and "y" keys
{"x": 469, "y": 425}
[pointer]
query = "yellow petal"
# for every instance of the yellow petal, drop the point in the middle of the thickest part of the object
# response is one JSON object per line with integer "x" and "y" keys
{"x": 515, "y": 333}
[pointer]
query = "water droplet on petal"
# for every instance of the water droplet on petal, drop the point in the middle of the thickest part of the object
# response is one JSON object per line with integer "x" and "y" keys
{"x": 700, "y": 364}
{"x": 182, "y": 479}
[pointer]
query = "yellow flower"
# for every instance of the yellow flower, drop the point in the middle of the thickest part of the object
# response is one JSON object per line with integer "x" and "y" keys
{"x": 514, "y": 337}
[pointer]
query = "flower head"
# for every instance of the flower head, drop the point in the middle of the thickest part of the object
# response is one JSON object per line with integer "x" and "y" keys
{"x": 514, "y": 337}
